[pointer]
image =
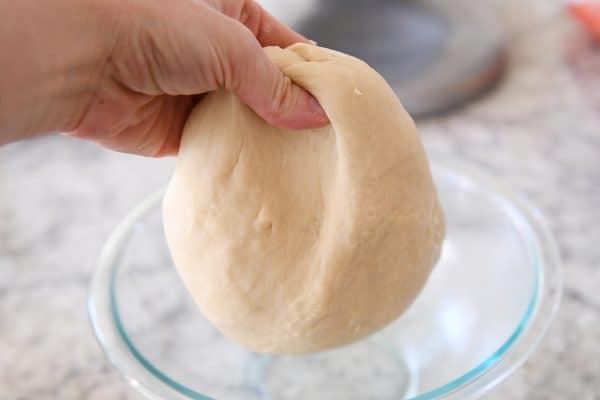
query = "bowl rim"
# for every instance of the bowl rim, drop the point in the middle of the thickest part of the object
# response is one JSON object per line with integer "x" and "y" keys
{"x": 514, "y": 351}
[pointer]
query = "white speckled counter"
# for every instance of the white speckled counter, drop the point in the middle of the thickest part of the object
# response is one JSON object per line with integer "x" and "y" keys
{"x": 539, "y": 132}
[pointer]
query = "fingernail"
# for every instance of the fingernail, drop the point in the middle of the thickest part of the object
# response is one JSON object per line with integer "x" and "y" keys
{"x": 313, "y": 42}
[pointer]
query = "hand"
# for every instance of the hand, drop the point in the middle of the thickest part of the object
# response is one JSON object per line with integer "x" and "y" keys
{"x": 154, "y": 57}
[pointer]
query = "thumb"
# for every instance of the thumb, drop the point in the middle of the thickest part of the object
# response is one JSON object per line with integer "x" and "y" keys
{"x": 250, "y": 74}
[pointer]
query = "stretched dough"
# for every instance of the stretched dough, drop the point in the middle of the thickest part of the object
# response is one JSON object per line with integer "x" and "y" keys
{"x": 293, "y": 242}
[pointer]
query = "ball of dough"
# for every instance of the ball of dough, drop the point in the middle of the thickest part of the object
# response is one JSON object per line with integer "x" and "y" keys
{"x": 298, "y": 241}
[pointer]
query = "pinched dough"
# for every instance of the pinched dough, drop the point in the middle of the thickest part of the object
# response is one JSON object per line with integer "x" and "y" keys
{"x": 298, "y": 241}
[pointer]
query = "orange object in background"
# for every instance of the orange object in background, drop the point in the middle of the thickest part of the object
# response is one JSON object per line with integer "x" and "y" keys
{"x": 588, "y": 13}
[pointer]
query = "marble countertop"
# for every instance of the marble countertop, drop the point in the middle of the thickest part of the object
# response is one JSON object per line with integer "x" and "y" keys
{"x": 538, "y": 131}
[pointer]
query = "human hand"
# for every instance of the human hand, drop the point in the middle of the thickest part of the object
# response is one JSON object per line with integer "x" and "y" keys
{"x": 155, "y": 57}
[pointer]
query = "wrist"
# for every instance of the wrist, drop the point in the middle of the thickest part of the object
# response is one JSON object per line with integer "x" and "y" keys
{"x": 55, "y": 51}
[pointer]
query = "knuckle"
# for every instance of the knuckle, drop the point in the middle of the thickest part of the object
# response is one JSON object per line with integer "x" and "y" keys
{"x": 239, "y": 60}
{"x": 283, "y": 97}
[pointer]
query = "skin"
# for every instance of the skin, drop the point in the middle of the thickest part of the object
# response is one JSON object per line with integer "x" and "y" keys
{"x": 125, "y": 73}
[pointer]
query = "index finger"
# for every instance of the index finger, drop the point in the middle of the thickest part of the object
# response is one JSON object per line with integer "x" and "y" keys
{"x": 272, "y": 32}
{"x": 267, "y": 29}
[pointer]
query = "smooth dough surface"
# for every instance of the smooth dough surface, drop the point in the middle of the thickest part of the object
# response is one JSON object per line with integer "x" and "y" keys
{"x": 298, "y": 241}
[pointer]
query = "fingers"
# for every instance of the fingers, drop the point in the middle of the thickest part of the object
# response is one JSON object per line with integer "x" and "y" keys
{"x": 194, "y": 48}
{"x": 261, "y": 85}
{"x": 152, "y": 130}
{"x": 267, "y": 29}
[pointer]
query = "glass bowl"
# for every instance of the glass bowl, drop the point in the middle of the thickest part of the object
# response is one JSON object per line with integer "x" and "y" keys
{"x": 485, "y": 308}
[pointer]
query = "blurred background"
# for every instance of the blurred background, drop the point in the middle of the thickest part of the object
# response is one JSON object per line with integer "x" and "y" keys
{"x": 510, "y": 87}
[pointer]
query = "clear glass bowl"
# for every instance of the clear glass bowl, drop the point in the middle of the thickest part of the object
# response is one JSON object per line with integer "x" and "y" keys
{"x": 487, "y": 305}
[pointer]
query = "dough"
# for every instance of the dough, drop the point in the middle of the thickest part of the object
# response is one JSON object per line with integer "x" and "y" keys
{"x": 298, "y": 241}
